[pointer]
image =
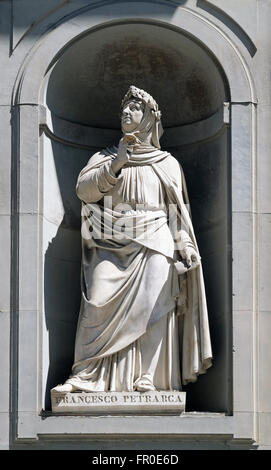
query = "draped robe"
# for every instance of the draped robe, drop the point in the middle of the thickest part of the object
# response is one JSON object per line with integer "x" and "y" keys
{"x": 132, "y": 300}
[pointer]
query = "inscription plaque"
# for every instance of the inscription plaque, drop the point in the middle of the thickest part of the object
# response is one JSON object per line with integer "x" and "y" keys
{"x": 93, "y": 402}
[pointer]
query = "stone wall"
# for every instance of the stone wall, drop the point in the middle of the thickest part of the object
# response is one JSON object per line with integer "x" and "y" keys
{"x": 211, "y": 61}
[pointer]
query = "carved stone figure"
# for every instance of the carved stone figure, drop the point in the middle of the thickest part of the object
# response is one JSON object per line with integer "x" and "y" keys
{"x": 143, "y": 322}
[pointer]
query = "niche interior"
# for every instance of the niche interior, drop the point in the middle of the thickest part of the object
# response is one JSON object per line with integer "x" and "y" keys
{"x": 82, "y": 94}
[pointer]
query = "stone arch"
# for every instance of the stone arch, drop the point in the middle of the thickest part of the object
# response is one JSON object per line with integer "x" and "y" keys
{"x": 194, "y": 24}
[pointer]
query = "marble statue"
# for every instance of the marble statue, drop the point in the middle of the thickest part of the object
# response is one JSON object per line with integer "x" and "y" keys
{"x": 143, "y": 322}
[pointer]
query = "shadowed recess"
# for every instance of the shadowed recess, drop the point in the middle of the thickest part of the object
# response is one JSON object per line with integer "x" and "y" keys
{"x": 101, "y": 66}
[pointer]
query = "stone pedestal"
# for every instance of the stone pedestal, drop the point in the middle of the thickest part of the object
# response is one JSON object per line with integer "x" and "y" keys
{"x": 118, "y": 402}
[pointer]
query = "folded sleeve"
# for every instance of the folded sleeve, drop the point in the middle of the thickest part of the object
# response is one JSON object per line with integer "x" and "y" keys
{"x": 94, "y": 184}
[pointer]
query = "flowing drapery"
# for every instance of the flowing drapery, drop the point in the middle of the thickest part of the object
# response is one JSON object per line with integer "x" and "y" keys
{"x": 131, "y": 296}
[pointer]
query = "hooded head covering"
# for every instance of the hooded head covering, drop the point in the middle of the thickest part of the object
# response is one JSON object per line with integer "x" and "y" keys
{"x": 151, "y": 119}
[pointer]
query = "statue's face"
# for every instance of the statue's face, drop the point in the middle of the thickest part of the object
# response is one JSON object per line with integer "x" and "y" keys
{"x": 132, "y": 114}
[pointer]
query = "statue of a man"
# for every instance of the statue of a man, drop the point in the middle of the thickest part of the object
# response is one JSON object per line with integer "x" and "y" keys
{"x": 138, "y": 314}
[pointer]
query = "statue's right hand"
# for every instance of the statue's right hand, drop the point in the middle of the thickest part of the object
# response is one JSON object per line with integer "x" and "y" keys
{"x": 122, "y": 157}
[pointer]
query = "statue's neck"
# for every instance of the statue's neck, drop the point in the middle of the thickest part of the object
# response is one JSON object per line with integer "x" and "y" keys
{"x": 145, "y": 138}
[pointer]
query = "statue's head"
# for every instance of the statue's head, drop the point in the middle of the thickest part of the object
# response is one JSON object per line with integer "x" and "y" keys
{"x": 140, "y": 113}
{"x": 132, "y": 114}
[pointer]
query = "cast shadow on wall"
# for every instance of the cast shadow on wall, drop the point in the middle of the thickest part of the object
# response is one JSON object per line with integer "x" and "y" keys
{"x": 62, "y": 267}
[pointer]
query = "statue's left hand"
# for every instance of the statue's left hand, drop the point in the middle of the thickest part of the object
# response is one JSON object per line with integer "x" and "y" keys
{"x": 190, "y": 255}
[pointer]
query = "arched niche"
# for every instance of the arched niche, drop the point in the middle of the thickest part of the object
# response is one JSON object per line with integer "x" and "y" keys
{"x": 83, "y": 90}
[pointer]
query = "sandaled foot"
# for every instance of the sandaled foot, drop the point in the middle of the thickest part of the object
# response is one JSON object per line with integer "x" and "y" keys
{"x": 65, "y": 388}
{"x": 144, "y": 385}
